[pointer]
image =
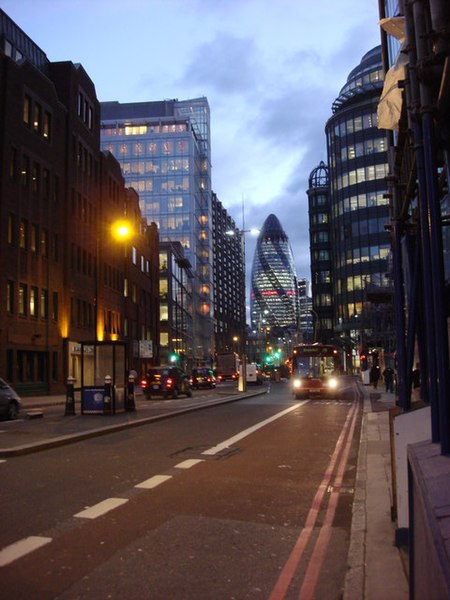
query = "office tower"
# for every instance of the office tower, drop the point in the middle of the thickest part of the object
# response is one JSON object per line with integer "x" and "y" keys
{"x": 321, "y": 259}
{"x": 229, "y": 283}
{"x": 163, "y": 148}
{"x": 274, "y": 288}
{"x": 307, "y": 322}
{"x": 359, "y": 210}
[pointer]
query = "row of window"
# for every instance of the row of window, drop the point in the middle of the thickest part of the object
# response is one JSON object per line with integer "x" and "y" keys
{"x": 363, "y": 227}
{"x": 353, "y": 124}
{"x": 33, "y": 176}
{"x": 351, "y": 151}
{"x": 354, "y": 255}
{"x": 155, "y": 167}
{"x": 36, "y": 118}
{"x": 160, "y": 185}
{"x": 30, "y": 301}
{"x": 85, "y": 110}
{"x": 359, "y": 201}
{"x": 359, "y": 282}
{"x": 31, "y": 237}
{"x": 360, "y": 175}
{"x": 143, "y": 149}
{"x": 108, "y": 130}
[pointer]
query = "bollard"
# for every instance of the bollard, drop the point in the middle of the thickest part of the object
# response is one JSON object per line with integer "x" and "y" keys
{"x": 107, "y": 407}
{"x": 130, "y": 405}
{"x": 70, "y": 397}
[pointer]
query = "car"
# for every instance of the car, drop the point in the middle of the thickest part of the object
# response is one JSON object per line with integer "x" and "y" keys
{"x": 10, "y": 402}
{"x": 166, "y": 381}
{"x": 203, "y": 377}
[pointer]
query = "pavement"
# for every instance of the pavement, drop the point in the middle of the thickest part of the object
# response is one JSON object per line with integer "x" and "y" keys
{"x": 377, "y": 569}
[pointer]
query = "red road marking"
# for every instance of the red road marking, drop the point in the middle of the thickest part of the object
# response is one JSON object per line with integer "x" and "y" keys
{"x": 288, "y": 572}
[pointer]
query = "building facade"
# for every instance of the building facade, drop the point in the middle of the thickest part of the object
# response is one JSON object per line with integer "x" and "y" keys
{"x": 164, "y": 151}
{"x": 63, "y": 278}
{"x": 175, "y": 306}
{"x": 229, "y": 283}
{"x": 359, "y": 212}
{"x": 321, "y": 256}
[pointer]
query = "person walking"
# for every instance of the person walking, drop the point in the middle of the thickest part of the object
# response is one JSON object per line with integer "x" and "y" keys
{"x": 375, "y": 375}
{"x": 388, "y": 375}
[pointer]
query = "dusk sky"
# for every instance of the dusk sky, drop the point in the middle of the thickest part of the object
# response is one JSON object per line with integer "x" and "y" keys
{"x": 270, "y": 69}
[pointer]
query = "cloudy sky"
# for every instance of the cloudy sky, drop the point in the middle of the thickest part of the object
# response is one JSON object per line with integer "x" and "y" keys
{"x": 270, "y": 69}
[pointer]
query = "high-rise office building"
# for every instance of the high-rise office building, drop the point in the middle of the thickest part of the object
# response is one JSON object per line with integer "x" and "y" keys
{"x": 274, "y": 288}
{"x": 164, "y": 151}
{"x": 321, "y": 263}
{"x": 359, "y": 210}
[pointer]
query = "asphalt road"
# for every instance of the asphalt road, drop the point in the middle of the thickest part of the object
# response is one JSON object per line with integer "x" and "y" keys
{"x": 246, "y": 500}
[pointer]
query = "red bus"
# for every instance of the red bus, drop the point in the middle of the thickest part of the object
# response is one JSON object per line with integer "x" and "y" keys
{"x": 315, "y": 370}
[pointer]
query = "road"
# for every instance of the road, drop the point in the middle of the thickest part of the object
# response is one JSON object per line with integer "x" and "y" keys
{"x": 246, "y": 500}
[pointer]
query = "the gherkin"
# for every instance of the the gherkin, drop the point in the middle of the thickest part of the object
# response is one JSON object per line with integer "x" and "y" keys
{"x": 274, "y": 288}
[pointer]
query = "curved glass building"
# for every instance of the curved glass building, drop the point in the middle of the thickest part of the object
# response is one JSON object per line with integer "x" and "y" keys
{"x": 274, "y": 288}
{"x": 359, "y": 207}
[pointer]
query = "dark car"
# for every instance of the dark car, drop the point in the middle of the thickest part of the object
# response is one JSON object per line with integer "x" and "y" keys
{"x": 9, "y": 401}
{"x": 166, "y": 381}
{"x": 203, "y": 377}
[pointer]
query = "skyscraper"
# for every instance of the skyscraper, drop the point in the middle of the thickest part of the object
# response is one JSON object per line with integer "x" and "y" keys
{"x": 359, "y": 209}
{"x": 164, "y": 151}
{"x": 274, "y": 288}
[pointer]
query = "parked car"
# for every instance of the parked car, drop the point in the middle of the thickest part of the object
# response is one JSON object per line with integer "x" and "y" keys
{"x": 166, "y": 381}
{"x": 203, "y": 377}
{"x": 10, "y": 402}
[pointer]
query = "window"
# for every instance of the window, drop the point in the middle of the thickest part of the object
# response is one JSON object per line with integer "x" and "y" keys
{"x": 34, "y": 239}
{"x": 44, "y": 242}
{"x": 37, "y": 118}
{"x": 46, "y": 127}
{"x": 33, "y": 302}
{"x": 22, "y": 299}
{"x": 27, "y": 110}
{"x": 11, "y": 232}
{"x": 35, "y": 178}
{"x": 23, "y": 227}
{"x": 13, "y": 163}
{"x": 44, "y": 304}
{"x": 10, "y": 297}
{"x": 25, "y": 172}
{"x": 55, "y": 306}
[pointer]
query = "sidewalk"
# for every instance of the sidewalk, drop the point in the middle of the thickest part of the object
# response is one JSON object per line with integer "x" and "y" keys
{"x": 376, "y": 570}
{"x": 34, "y": 432}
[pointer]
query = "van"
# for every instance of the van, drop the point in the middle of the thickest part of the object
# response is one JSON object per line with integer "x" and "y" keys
{"x": 254, "y": 374}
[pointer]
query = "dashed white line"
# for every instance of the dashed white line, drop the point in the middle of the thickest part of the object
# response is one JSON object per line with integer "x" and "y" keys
{"x": 153, "y": 482}
{"x": 101, "y": 508}
{"x": 21, "y": 548}
{"x": 187, "y": 464}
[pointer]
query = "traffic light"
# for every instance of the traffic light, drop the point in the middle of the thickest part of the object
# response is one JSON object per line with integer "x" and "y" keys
{"x": 363, "y": 361}
{"x": 173, "y": 357}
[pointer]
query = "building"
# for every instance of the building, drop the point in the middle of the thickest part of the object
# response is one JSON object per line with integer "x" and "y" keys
{"x": 164, "y": 151}
{"x": 415, "y": 111}
{"x": 175, "y": 306}
{"x": 229, "y": 283}
{"x": 274, "y": 289}
{"x": 63, "y": 279}
{"x": 359, "y": 213}
{"x": 307, "y": 319}
{"x": 321, "y": 256}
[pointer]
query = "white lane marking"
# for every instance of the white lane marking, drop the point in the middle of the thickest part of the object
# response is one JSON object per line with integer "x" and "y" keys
{"x": 21, "y": 548}
{"x": 153, "y": 482}
{"x": 101, "y": 508}
{"x": 187, "y": 464}
{"x": 239, "y": 436}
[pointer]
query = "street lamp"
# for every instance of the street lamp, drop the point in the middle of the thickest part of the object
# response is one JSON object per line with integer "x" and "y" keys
{"x": 242, "y": 383}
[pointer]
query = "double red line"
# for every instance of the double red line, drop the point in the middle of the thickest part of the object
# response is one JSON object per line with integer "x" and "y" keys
{"x": 338, "y": 461}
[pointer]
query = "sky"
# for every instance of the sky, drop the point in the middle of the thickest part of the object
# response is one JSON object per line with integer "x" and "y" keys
{"x": 270, "y": 70}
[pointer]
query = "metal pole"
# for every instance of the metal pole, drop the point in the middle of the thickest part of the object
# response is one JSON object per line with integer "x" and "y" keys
{"x": 70, "y": 397}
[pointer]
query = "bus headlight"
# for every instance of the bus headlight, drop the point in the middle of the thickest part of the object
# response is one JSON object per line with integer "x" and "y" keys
{"x": 333, "y": 383}
{"x": 297, "y": 383}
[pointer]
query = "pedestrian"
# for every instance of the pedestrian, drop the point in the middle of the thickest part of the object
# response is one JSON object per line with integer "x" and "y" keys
{"x": 388, "y": 375}
{"x": 375, "y": 375}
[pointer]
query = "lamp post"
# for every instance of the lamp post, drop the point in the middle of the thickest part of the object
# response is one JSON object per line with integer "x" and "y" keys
{"x": 242, "y": 383}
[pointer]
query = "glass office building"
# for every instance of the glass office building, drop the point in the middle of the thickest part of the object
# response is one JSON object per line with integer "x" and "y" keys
{"x": 274, "y": 287}
{"x": 359, "y": 207}
{"x": 164, "y": 151}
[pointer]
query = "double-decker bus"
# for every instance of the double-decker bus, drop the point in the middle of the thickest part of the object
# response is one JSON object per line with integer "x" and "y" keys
{"x": 315, "y": 370}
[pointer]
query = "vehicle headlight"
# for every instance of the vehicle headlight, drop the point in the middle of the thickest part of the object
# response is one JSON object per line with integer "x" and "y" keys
{"x": 297, "y": 383}
{"x": 333, "y": 383}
